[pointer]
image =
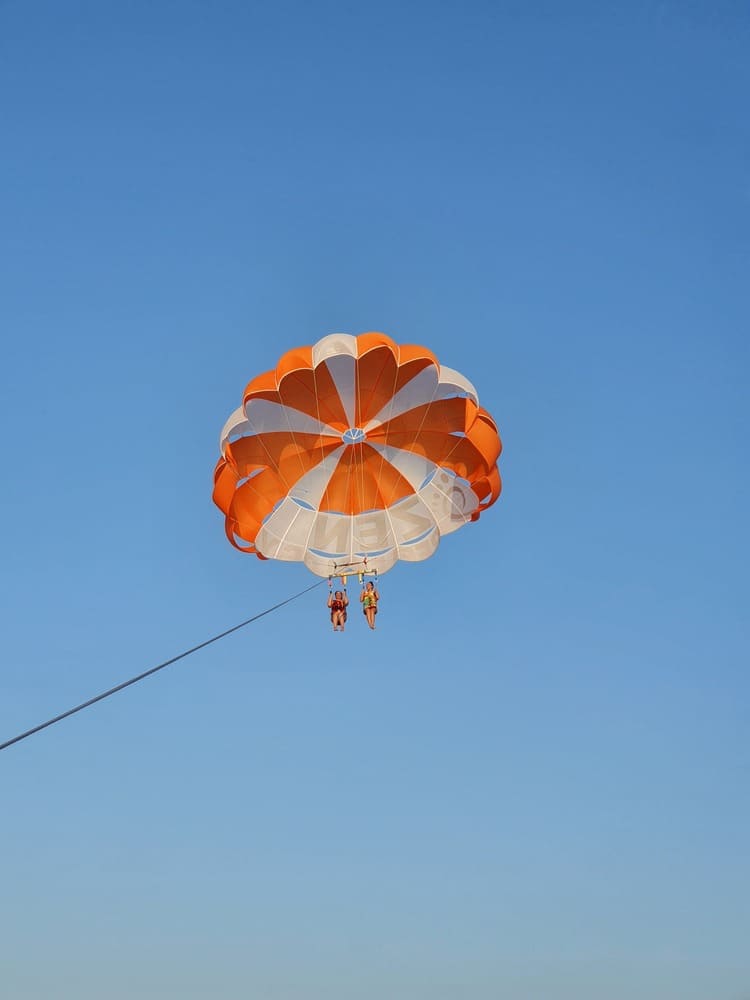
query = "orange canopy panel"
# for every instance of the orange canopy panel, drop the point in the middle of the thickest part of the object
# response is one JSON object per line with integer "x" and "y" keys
{"x": 355, "y": 447}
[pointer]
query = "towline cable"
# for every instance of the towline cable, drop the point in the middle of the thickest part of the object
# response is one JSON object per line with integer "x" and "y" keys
{"x": 153, "y": 670}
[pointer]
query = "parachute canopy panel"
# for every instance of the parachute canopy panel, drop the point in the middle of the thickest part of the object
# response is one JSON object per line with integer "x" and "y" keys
{"x": 356, "y": 447}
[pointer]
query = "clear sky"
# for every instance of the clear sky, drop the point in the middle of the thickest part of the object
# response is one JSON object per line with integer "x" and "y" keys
{"x": 532, "y": 780}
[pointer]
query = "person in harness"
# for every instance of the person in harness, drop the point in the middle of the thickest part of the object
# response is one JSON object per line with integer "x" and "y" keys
{"x": 369, "y": 598}
{"x": 338, "y": 603}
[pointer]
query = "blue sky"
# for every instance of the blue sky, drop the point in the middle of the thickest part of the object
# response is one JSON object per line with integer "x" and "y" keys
{"x": 531, "y": 781}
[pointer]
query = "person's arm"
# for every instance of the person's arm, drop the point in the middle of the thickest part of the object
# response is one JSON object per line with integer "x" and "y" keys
{"x": 330, "y": 600}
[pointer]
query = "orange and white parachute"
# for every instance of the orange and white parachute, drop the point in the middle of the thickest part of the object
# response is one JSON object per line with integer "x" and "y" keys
{"x": 354, "y": 448}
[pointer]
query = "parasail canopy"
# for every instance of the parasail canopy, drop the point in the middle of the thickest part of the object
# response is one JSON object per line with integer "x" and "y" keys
{"x": 355, "y": 447}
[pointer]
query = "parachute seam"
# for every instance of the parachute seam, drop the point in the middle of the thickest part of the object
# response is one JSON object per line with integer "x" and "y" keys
{"x": 358, "y": 418}
{"x": 390, "y": 405}
{"x": 318, "y": 513}
{"x": 276, "y": 468}
{"x": 289, "y": 424}
{"x": 323, "y": 455}
{"x": 401, "y": 390}
{"x": 393, "y": 533}
{"x": 447, "y": 497}
{"x": 424, "y": 418}
{"x": 259, "y": 435}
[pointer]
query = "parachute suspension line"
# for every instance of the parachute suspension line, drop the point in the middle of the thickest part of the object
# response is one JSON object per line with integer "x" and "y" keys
{"x": 358, "y": 420}
{"x": 387, "y": 422}
{"x": 323, "y": 456}
{"x": 153, "y": 670}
